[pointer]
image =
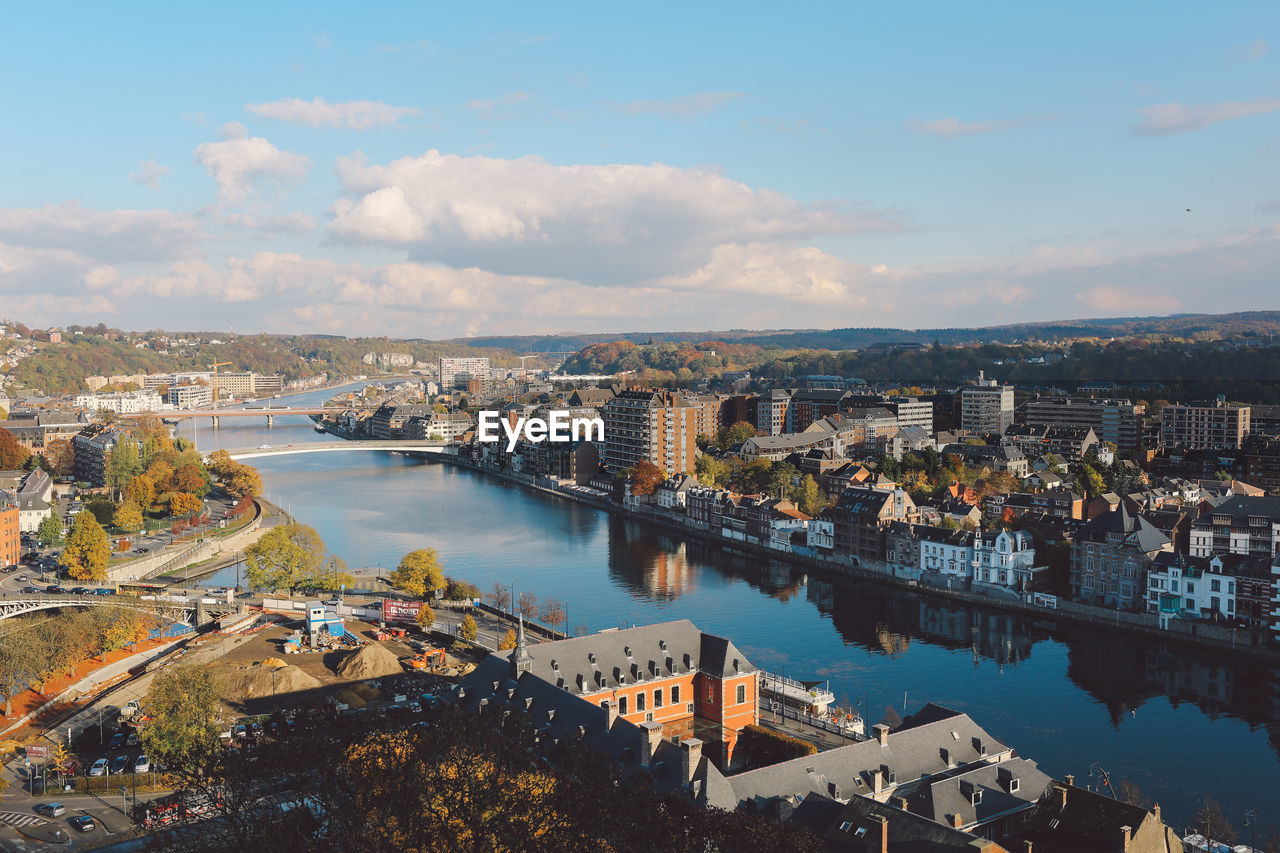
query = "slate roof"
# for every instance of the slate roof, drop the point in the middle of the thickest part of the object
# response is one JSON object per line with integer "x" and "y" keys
{"x": 1089, "y": 821}
{"x": 848, "y": 826}
{"x": 1006, "y": 786}
{"x": 1134, "y": 528}
{"x": 1241, "y": 507}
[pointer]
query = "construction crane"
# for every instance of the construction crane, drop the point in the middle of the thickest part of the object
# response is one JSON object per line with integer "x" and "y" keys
{"x": 215, "y": 367}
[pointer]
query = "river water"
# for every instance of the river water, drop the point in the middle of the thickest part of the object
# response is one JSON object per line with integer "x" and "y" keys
{"x": 1178, "y": 723}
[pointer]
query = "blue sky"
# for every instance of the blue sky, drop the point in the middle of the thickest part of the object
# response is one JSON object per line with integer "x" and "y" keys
{"x": 433, "y": 171}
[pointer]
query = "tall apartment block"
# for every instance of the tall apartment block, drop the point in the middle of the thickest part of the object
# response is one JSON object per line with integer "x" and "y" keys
{"x": 453, "y": 370}
{"x": 1116, "y": 421}
{"x": 910, "y": 411}
{"x": 654, "y": 425}
{"x": 771, "y": 412}
{"x": 986, "y": 406}
{"x": 1204, "y": 425}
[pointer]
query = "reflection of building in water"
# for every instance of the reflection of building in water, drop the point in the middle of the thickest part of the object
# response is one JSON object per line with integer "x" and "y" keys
{"x": 669, "y": 574}
{"x": 653, "y": 566}
{"x": 821, "y": 594}
{"x": 1180, "y": 676}
{"x": 892, "y": 643}
{"x": 990, "y": 634}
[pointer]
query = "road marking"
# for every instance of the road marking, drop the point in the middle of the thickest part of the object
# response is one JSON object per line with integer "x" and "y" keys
{"x": 20, "y": 819}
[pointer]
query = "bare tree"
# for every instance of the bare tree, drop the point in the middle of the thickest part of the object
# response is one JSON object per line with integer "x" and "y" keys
{"x": 553, "y": 612}
{"x": 527, "y": 604}
{"x": 499, "y": 597}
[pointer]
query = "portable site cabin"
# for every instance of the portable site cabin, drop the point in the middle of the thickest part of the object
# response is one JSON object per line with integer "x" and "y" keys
{"x": 323, "y": 624}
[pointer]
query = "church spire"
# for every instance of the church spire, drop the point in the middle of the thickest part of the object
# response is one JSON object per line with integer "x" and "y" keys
{"x": 521, "y": 661}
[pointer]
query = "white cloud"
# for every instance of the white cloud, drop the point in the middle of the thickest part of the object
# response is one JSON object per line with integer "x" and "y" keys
{"x": 235, "y": 163}
{"x": 351, "y": 115}
{"x": 1166, "y": 119}
{"x": 488, "y": 106}
{"x": 287, "y": 223}
{"x": 149, "y": 174}
{"x": 139, "y": 235}
{"x": 952, "y": 128}
{"x": 684, "y": 107}
{"x": 605, "y": 224}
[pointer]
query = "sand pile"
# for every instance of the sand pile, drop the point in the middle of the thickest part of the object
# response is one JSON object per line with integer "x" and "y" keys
{"x": 372, "y": 661}
{"x": 273, "y": 663}
{"x": 256, "y": 681}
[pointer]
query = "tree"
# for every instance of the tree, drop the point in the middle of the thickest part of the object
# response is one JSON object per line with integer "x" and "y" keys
{"x": 712, "y": 472}
{"x": 103, "y": 510}
{"x": 781, "y": 476}
{"x": 141, "y": 492}
{"x": 285, "y": 557}
{"x": 245, "y": 481}
{"x": 553, "y": 612}
{"x": 457, "y": 590}
{"x": 729, "y": 436}
{"x": 50, "y": 530}
{"x": 527, "y": 605}
{"x": 18, "y": 662}
{"x": 190, "y": 478}
{"x": 809, "y": 496}
{"x": 426, "y": 616}
{"x": 12, "y": 454}
{"x": 1128, "y": 792}
{"x": 87, "y": 550}
{"x": 468, "y": 629}
{"x": 499, "y": 597}
{"x": 123, "y": 465}
{"x": 419, "y": 573}
{"x": 1213, "y": 823}
{"x": 128, "y": 517}
{"x": 183, "y": 704}
{"x": 508, "y": 640}
{"x": 60, "y": 457}
{"x": 1088, "y": 478}
{"x": 646, "y": 477}
{"x": 184, "y": 505}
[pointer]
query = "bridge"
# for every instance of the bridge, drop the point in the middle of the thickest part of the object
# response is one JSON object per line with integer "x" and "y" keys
{"x": 178, "y": 609}
{"x": 269, "y": 412}
{"x": 380, "y": 445}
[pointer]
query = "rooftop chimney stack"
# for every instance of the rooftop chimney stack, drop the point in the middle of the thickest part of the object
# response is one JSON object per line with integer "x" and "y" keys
{"x": 878, "y": 834}
{"x": 611, "y": 709}
{"x": 882, "y": 733}
{"x": 690, "y": 758}
{"x": 651, "y": 737}
{"x": 1126, "y": 835}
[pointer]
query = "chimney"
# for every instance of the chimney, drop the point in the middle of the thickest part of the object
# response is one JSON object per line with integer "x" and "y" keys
{"x": 1126, "y": 833}
{"x": 690, "y": 758}
{"x": 877, "y": 834}
{"x": 1062, "y": 796}
{"x": 956, "y": 821}
{"x": 1069, "y": 779}
{"x": 1155, "y": 810}
{"x": 882, "y": 733}
{"x": 611, "y": 709}
{"x": 1026, "y": 847}
{"x": 649, "y": 740}
{"x": 877, "y": 781}
{"x": 899, "y": 802}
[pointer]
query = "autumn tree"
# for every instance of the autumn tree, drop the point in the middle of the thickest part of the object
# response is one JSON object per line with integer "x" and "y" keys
{"x": 419, "y": 573}
{"x": 711, "y": 472}
{"x": 60, "y": 457}
{"x": 1213, "y": 823}
{"x": 468, "y": 629}
{"x": 141, "y": 492}
{"x": 128, "y": 517}
{"x": 184, "y": 504}
{"x": 739, "y": 432}
{"x": 12, "y": 454}
{"x": 426, "y": 616}
{"x": 183, "y": 704}
{"x": 646, "y": 477}
{"x": 87, "y": 550}
{"x": 553, "y": 612}
{"x": 123, "y": 465}
{"x": 809, "y": 496}
{"x": 499, "y": 597}
{"x": 508, "y": 640}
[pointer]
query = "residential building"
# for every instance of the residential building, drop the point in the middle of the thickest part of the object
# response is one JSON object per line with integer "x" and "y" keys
{"x": 811, "y": 404}
{"x": 1241, "y": 524}
{"x": 34, "y": 499}
{"x": 986, "y": 407}
{"x": 36, "y": 430}
{"x": 193, "y": 396}
{"x": 1110, "y": 557}
{"x": 389, "y": 422}
{"x": 447, "y": 426}
{"x": 909, "y": 411}
{"x": 122, "y": 402}
{"x": 860, "y": 517}
{"x": 1215, "y": 425}
{"x": 1262, "y": 461}
{"x": 995, "y": 457}
{"x": 92, "y": 447}
{"x": 1115, "y": 421}
{"x": 1190, "y": 587}
{"x": 460, "y": 370}
{"x": 1004, "y": 558}
{"x": 1033, "y": 441}
{"x": 1067, "y": 819}
{"x": 709, "y": 406}
{"x": 673, "y": 493}
{"x": 771, "y": 410}
{"x": 657, "y": 426}
{"x": 576, "y": 461}
{"x": 778, "y": 447}
{"x": 878, "y": 426}
{"x": 10, "y": 536}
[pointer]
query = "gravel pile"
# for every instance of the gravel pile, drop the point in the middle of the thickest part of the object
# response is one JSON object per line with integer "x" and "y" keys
{"x": 372, "y": 661}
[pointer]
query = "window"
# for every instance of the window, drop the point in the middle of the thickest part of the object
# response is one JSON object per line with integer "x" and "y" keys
{"x": 1215, "y": 585}
{"x": 657, "y": 698}
{"x": 711, "y": 693}
{"x": 622, "y": 705}
{"x": 640, "y": 701}
{"x": 742, "y": 693}
{"x": 675, "y": 693}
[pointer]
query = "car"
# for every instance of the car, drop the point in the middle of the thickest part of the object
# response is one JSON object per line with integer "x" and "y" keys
{"x": 415, "y": 707}
{"x": 264, "y": 447}
{"x": 119, "y": 764}
{"x": 50, "y": 809}
{"x": 332, "y": 602}
{"x": 99, "y": 767}
{"x": 143, "y": 549}
{"x": 79, "y": 590}
{"x": 132, "y": 739}
{"x": 22, "y": 578}
{"x": 104, "y": 591}
{"x": 141, "y": 764}
{"x": 31, "y": 590}
{"x": 83, "y": 822}
{"x": 54, "y": 589}
{"x": 117, "y": 741}
{"x": 241, "y": 731}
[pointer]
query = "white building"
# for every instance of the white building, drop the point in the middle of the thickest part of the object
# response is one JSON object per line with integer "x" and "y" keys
{"x": 122, "y": 403}
{"x": 453, "y": 370}
{"x": 821, "y": 534}
{"x": 1190, "y": 587}
{"x": 986, "y": 407}
{"x": 948, "y": 552}
{"x": 190, "y": 396}
{"x": 1000, "y": 556}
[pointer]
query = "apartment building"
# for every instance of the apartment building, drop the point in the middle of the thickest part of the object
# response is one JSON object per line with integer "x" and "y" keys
{"x": 190, "y": 396}
{"x": 10, "y": 538}
{"x": 1206, "y": 425}
{"x": 910, "y": 411}
{"x": 709, "y": 408}
{"x": 986, "y": 407}
{"x": 455, "y": 370}
{"x": 1116, "y": 421}
{"x": 92, "y": 447}
{"x": 122, "y": 403}
{"x": 812, "y": 404}
{"x": 772, "y": 408}
{"x": 658, "y": 426}
{"x": 1110, "y": 557}
{"x": 1243, "y": 524}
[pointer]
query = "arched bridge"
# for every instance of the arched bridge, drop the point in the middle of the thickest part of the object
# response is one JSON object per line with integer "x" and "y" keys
{"x": 381, "y": 445}
{"x": 184, "y": 610}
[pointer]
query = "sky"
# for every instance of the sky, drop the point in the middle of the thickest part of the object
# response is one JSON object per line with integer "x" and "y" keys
{"x": 427, "y": 170}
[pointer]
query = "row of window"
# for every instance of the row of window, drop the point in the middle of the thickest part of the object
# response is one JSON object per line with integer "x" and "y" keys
{"x": 659, "y": 695}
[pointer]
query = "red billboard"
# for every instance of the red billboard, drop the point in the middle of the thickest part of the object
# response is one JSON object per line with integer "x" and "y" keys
{"x": 399, "y": 610}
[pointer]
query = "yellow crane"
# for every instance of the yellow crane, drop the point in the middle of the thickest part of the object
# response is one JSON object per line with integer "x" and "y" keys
{"x": 215, "y": 367}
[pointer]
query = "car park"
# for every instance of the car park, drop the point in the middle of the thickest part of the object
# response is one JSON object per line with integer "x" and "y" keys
{"x": 83, "y": 823}
{"x": 99, "y": 767}
{"x": 120, "y": 764}
{"x": 50, "y": 809}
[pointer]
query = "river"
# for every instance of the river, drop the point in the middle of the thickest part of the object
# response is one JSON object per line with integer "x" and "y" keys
{"x": 1179, "y": 724}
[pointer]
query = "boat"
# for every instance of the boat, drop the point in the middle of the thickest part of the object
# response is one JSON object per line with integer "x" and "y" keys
{"x": 320, "y": 428}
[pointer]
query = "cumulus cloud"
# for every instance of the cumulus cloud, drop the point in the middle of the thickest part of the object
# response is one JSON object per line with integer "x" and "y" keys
{"x": 149, "y": 174}
{"x": 136, "y": 235}
{"x": 1167, "y": 119}
{"x": 351, "y": 115}
{"x": 607, "y": 224}
{"x": 684, "y": 107}
{"x": 952, "y": 128}
{"x": 235, "y": 163}
{"x": 488, "y": 106}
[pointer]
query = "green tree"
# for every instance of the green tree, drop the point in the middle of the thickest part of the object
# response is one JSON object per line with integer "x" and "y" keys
{"x": 781, "y": 476}
{"x": 286, "y": 557}
{"x": 123, "y": 464}
{"x": 736, "y": 434}
{"x": 87, "y": 550}
{"x": 13, "y": 455}
{"x": 50, "y": 530}
{"x": 128, "y": 517}
{"x": 1088, "y": 479}
{"x": 103, "y": 510}
{"x": 183, "y": 705}
{"x": 809, "y": 496}
{"x": 419, "y": 573}
{"x": 468, "y": 629}
{"x": 712, "y": 472}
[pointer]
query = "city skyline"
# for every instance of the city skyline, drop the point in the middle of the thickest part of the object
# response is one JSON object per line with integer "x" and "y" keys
{"x": 518, "y": 171}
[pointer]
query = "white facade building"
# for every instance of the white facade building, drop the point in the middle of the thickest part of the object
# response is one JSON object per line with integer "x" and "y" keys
{"x": 462, "y": 369}
{"x": 999, "y": 554}
{"x": 190, "y": 396}
{"x": 122, "y": 403}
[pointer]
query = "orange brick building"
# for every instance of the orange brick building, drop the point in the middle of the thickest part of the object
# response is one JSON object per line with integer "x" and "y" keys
{"x": 695, "y": 685}
{"x": 10, "y": 539}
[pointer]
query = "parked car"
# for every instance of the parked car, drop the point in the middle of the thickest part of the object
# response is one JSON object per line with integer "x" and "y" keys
{"x": 50, "y": 809}
{"x": 83, "y": 822}
{"x": 117, "y": 741}
{"x": 119, "y": 764}
{"x": 143, "y": 549}
{"x": 99, "y": 767}
{"x": 22, "y": 578}
{"x": 132, "y": 740}
{"x": 141, "y": 764}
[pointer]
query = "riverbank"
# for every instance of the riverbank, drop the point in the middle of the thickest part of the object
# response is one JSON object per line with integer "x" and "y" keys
{"x": 1247, "y": 644}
